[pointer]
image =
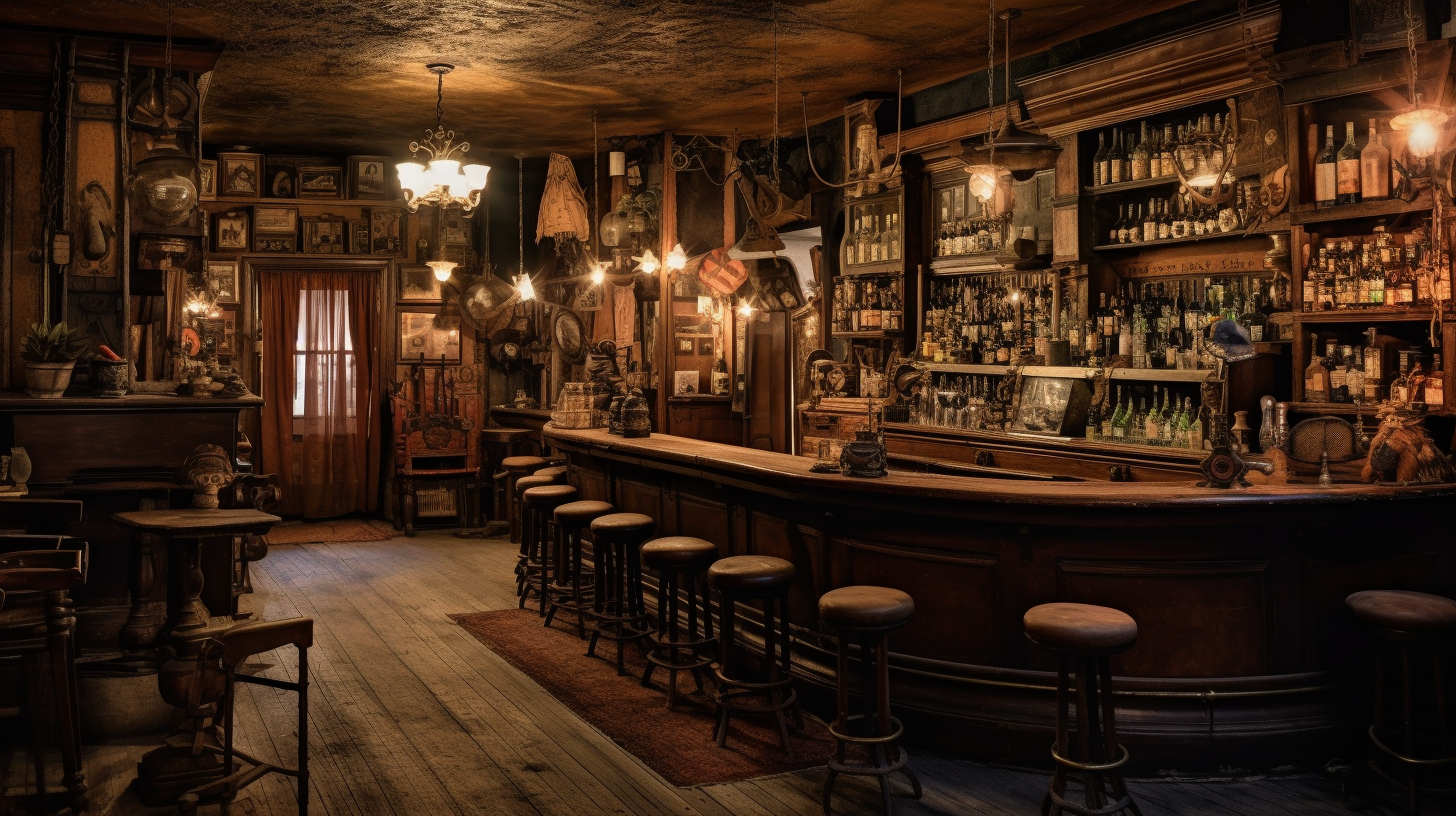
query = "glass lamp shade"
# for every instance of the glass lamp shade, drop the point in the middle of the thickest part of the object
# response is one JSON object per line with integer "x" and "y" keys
{"x": 442, "y": 269}
{"x": 677, "y": 259}
{"x": 164, "y": 188}
{"x": 475, "y": 176}
{"x": 411, "y": 176}
{"x": 614, "y": 229}
{"x": 647, "y": 263}
{"x": 1422, "y": 126}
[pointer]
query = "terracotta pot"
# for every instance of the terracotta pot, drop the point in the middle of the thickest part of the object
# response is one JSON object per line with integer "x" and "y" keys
{"x": 47, "y": 380}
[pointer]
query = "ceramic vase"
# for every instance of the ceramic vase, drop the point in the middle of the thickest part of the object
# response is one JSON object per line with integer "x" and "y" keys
{"x": 19, "y": 466}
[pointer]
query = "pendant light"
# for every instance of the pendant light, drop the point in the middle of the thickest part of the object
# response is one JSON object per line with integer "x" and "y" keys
{"x": 1421, "y": 123}
{"x": 524, "y": 288}
{"x": 1022, "y": 153}
{"x": 163, "y": 190}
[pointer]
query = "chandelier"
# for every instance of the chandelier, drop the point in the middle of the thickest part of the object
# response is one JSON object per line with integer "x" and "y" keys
{"x": 443, "y": 181}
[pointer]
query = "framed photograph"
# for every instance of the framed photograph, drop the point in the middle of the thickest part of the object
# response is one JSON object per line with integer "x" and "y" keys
{"x": 222, "y": 279}
{"x": 239, "y": 174}
{"x": 275, "y": 220}
{"x": 417, "y": 282}
{"x": 210, "y": 333}
{"x": 324, "y": 235}
{"x": 282, "y": 182}
{"x": 359, "y": 236}
{"x": 386, "y": 231}
{"x": 276, "y": 244}
{"x": 705, "y": 348}
{"x": 230, "y": 231}
{"x": 368, "y": 177}
{"x": 685, "y": 382}
{"x": 207, "y": 180}
{"x": 685, "y": 345}
{"x": 320, "y": 182}
{"x": 453, "y": 227}
{"x": 229, "y": 331}
{"x": 430, "y": 334}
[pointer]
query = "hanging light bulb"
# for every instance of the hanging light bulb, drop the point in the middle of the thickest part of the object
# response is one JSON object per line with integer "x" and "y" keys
{"x": 677, "y": 259}
{"x": 1422, "y": 124}
{"x": 745, "y": 309}
{"x": 1019, "y": 151}
{"x": 524, "y": 287}
{"x": 647, "y": 262}
{"x": 598, "y": 273}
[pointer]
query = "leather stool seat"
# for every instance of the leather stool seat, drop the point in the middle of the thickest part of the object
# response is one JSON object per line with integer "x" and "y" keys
{"x": 750, "y": 574}
{"x": 527, "y": 482}
{"x": 581, "y": 513}
{"x": 522, "y": 464}
{"x": 557, "y": 472}
{"x": 866, "y": 608}
{"x": 622, "y": 524}
{"x": 549, "y": 496}
{"x": 1080, "y": 627}
{"x": 678, "y": 551}
{"x": 1403, "y": 611}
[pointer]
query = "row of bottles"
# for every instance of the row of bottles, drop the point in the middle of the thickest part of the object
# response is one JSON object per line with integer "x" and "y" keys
{"x": 868, "y": 303}
{"x": 1355, "y": 374}
{"x": 1177, "y": 217}
{"x": 984, "y": 233}
{"x": 1159, "y": 154}
{"x": 1162, "y": 324}
{"x": 968, "y": 403}
{"x": 1351, "y": 174}
{"x": 875, "y": 236}
{"x": 993, "y": 319}
{"x": 1133, "y": 420}
{"x": 1378, "y": 271}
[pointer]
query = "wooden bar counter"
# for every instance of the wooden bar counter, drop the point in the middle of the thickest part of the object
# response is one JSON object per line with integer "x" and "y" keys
{"x": 1245, "y": 660}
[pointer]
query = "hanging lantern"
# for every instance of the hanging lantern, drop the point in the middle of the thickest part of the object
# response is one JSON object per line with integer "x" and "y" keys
{"x": 614, "y": 228}
{"x": 163, "y": 190}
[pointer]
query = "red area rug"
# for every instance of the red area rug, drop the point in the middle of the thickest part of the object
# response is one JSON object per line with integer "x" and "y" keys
{"x": 678, "y": 744}
{"x": 325, "y": 532}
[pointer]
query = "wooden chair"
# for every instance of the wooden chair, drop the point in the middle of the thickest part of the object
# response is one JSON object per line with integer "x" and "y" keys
{"x": 225, "y": 654}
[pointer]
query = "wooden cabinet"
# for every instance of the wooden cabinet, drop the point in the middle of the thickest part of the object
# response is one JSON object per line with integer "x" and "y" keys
{"x": 708, "y": 418}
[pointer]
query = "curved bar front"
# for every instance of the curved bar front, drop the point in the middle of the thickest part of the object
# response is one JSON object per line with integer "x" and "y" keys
{"x": 1245, "y": 659}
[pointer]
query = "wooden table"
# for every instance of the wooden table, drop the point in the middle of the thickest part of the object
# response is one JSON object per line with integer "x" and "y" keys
{"x": 183, "y": 532}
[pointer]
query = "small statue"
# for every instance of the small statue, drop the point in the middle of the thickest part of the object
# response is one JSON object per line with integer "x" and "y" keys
{"x": 209, "y": 470}
{"x": 1402, "y": 448}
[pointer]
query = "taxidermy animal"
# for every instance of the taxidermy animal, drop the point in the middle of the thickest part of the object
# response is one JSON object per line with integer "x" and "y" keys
{"x": 1401, "y": 445}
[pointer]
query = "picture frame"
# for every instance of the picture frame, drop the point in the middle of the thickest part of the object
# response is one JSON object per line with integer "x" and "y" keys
{"x": 222, "y": 280}
{"x": 1378, "y": 25}
{"x": 685, "y": 345}
{"x": 239, "y": 175}
{"x": 685, "y": 383}
{"x": 705, "y": 348}
{"x": 275, "y": 220}
{"x": 324, "y": 235}
{"x": 358, "y": 236}
{"x": 207, "y": 180}
{"x": 386, "y": 231}
{"x": 320, "y": 182}
{"x": 276, "y": 244}
{"x": 369, "y": 177}
{"x": 417, "y": 283}
{"x": 231, "y": 231}
{"x": 229, "y": 331}
{"x": 429, "y": 333}
{"x": 282, "y": 182}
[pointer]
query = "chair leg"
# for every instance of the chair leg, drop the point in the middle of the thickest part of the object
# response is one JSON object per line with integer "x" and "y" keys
{"x": 303, "y": 731}
{"x": 68, "y": 719}
{"x": 30, "y": 665}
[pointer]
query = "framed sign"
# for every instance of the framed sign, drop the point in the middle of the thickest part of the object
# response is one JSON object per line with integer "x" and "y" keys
{"x": 386, "y": 231}
{"x": 238, "y": 174}
{"x": 367, "y": 177}
{"x": 324, "y": 235}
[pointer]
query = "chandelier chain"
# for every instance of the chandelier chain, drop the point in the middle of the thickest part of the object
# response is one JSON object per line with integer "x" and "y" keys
{"x": 439, "y": 99}
{"x": 1410, "y": 44}
{"x": 991, "y": 77}
{"x": 596, "y": 171}
{"x": 521, "y": 211}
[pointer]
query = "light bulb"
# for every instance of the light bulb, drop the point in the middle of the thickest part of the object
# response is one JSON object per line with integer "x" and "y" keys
{"x": 677, "y": 258}
{"x": 745, "y": 310}
{"x": 598, "y": 274}
{"x": 647, "y": 262}
{"x": 1422, "y": 139}
{"x": 524, "y": 287}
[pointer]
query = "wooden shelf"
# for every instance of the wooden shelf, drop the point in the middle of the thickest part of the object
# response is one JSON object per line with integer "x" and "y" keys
{"x": 1128, "y": 186}
{"x": 995, "y": 369}
{"x": 1170, "y": 241}
{"x": 1349, "y": 409}
{"x": 1122, "y": 374}
{"x": 868, "y": 335}
{"x": 224, "y": 203}
{"x": 886, "y": 268}
{"x": 1365, "y": 316}
{"x": 1186, "y": 375}
{"x": 1365, "y": 209}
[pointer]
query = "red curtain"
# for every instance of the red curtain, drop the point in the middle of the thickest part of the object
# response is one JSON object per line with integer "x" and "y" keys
{"x": 321, "y": 426}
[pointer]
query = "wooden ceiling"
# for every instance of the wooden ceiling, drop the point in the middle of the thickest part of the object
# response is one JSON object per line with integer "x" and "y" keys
{"x": 350, "y": 74}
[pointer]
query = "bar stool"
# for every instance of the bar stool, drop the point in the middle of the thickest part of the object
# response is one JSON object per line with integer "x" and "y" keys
{"x": 570, "y": 589}
{"x": 618, "y": 612}
{"x": 557, "y": 472}
{"x": 1091, "y": 635}
{"x": 234, "y": 646}
{"x": 540, "y": 503}
{"x": 38, "y": 622}
{"x": 746, "y": 578}
{"x": 869, "y": 614}
{"x": 1413, "y": 625}
{"x": 513, "y": 468}
{"x": 679, "y": 560}
{"x": 528, "y": 559}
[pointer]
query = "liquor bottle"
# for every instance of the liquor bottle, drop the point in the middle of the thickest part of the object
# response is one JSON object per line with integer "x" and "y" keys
{"x": 1112, "y": 419}
{"x": 1115, "y": 158}
{"x": 1122, "y": 431}
{"x": 1150, "y": 224}
{"x": 1355, "y": 376}
{"x": 1325, "y": 175}
{"x": 1347, "y": 170}
{"x": 1141, "y": 158}
{"x": 1195, "y": 430}
{"x": 1167, "y": 148}
{"x": 1374, "y": 168}
{"x": 851, "y": 246}
{"x": 1119, "y": 229}
{"x": 877, "y": 241}
{"x": 720, "y": 375}
{"x": 1253, "y": 319}
{"x": 1436, "y": 384}
{"x": 1316, "y": 376}
{"x": 1339, "y": 380}
{"x": 862, "y": 239}
{"x": 1400, "y": 386}
{"x": 1124, "y": 227}
{"x": 1152, "y": 422}
{"x": 1165, "y": 223}
{"x": 894, "y": 237}
{"x": 1099, "y": 162}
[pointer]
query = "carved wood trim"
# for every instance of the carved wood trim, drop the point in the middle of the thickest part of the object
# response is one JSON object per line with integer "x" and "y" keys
{"x": 1184, "y": 68}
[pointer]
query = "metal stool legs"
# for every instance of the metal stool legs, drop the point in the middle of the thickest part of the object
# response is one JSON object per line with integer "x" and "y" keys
{"x": 1103, "y": 790}
{"x": 875, "y": 730}
{"x": 678, "y": 648}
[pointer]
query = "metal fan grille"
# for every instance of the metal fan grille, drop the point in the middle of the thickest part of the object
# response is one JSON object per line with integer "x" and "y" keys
{"x": 1313, "y": 437}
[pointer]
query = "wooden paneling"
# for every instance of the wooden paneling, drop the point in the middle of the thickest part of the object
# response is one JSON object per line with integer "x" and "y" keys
{"x": 1330, "y": 578}
{"x": 634, "y": 496}
{"x": 706, "y": 518}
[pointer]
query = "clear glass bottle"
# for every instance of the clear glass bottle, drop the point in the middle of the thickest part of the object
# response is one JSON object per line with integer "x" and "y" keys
{"x": 1326, "y": 177}
{"x": 1374, "y": 168}
{"x": 1141, "y": 156}
{"x": 1316, "y": 376}
{"x": 1347, "y": 169}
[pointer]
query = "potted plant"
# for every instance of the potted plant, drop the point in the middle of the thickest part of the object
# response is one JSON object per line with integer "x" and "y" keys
{"x": 50, "y": 353}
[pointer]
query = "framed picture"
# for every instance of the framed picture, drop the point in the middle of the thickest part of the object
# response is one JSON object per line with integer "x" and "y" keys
{"x": 282, "y": 182}
{"x": 239, "y": 174}
{"x": 453, "y": 226}
{"x": 230, "y": 231}
{"x": 207, "y": 180}
{"x": 222, "y": 279}
{"x": 324, "y": 235}
{"x": 320, "y": 182}
{"x": 275, "y": 220}
{"x": 359, "y": 236}
{"x": 229, "y": 331}
{"x": 685, "y": 345}
{"x": 430, "y": 334}
{"x": 1381, "y": 24}
{"x": 386, "y": 231}
{"x": 417, "y": 282}
{"x": 685, "y": 382}
{"x": 277, "y": 244}
{"x": 705, "y": 348}
{"x": 367, "y": 177}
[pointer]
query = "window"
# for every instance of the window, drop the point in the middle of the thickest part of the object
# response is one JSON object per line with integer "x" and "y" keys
{"x": 324, "y": 377}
